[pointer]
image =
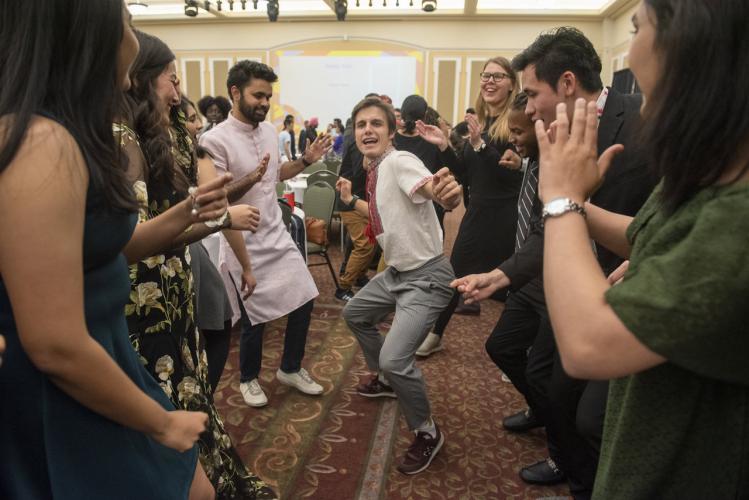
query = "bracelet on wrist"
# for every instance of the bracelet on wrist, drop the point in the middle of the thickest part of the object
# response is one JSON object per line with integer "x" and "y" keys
{"x": 305, "y": 162}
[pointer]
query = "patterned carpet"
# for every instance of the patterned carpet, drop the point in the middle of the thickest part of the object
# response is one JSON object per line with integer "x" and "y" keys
{"x": 343, "y": 446}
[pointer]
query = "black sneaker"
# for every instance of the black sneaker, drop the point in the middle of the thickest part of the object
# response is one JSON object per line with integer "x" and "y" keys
{"x": 344, "y": 294}
{"x": 375, "y": 389}
{"x": 545, "y": 473}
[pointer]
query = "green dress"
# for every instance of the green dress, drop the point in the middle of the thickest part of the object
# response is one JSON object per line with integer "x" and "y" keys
{"x": 681, "y": 429}
{"x": 162, "y": 330}
{"x": 50, "y": 445}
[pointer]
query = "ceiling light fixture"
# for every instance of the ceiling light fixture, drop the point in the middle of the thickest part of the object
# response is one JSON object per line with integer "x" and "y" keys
{"x": 428, "y": 5}
{"x": 191, "y": 8}
{"x": 273, "y": 10}
{"x": 341, "y": 8}
{"x": 137, "y": 8}
{"x": 254, "y": 4}
{"x": 218, "y": 5}
{"x": 231, "y": 4}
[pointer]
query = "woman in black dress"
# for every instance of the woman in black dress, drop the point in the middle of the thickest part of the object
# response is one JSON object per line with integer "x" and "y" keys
{"x": 487, "y": 233}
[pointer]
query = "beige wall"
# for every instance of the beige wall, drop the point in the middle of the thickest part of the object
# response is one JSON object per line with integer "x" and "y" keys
{"x": 451, "y": 50}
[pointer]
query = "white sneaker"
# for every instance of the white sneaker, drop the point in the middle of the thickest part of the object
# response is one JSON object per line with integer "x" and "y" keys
{"x": 301, "y": 380}
{"x": 253, "y": 394}
{"x": 431, "y": 344}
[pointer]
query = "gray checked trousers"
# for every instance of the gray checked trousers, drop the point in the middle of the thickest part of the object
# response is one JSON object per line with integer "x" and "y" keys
{"x": 417, "y": 297}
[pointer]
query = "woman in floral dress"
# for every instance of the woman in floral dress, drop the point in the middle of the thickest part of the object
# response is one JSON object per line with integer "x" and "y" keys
{"x": 160, "y": 312}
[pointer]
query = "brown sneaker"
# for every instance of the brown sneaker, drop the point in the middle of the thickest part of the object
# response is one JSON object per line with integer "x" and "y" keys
{"x": 375, "y": 389}
{"x": 421, "y": 452}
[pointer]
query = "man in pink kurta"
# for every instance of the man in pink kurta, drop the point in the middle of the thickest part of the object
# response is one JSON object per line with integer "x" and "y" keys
{"x": 284, "y": 285}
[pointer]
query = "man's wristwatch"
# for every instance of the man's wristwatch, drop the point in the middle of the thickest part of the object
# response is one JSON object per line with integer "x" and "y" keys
{"x": 560, "y": 206}
{"x": 352, "y": 203}
{"x": 305, "y": 162}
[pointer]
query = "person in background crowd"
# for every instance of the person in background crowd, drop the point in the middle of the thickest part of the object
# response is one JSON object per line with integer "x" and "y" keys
{"x": 488, "y": 163}
{"x": 407, "y": 139}
{"x": 308, "y": 135}
{"x": 214, "y": 109}
{"x": 286, "y": 140}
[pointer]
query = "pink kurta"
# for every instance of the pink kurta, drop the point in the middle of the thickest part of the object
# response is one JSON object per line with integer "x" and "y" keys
{"x": 283, "y": 280}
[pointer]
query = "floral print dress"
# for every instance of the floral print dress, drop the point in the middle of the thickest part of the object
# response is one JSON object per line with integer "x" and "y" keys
{"x": 163, "y": 332}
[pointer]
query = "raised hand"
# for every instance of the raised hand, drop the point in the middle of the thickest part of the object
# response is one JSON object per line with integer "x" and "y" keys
{"x": 511, "y": 160}
{"x": 474, "y": 129}
{"x": 182, "y": 429}
{"x": 445, "y": 189}
{"x": 432, "y": 134}
{"x": 343, "y": 186}
{"x": 257, "y": 174}
{"x": 244, "y": 217}
{"x": 318, "y": 148}
{"x": 570, "y": 166}
{"x": 209, "y": 200}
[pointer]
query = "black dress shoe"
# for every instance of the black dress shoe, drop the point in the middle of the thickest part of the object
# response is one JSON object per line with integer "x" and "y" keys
{"x": 544, "y": 472}
{"x": 521, "y": 422}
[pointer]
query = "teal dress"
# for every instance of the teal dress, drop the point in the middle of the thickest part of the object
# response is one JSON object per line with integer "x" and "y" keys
{"x": 53, "y": 447}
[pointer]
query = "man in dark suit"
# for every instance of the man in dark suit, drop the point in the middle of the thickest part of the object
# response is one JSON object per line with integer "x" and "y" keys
{"x": 560, "y": 67}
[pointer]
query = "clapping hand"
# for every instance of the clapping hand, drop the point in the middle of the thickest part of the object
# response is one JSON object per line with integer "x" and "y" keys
{"x": 511, "y": 160}
{"x": 570, "y": 166}
{"x": 474, "y": 129}
{"x": 257, "y": 174}
{"x": 432, "y": 134}
{"x": 445, "y": 189}
{"x": 209, "y": 200}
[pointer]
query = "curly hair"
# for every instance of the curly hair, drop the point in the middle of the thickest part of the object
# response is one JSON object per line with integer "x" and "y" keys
{"x": 221, "y": 102}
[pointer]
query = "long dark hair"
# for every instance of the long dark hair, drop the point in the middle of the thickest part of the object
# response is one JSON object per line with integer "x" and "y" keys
{"x": 697, "y": 118}
{"x": 59, "y": 58}
{"x": 147, "y": 114}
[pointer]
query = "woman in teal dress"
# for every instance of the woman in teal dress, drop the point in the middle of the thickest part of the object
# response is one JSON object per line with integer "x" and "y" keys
{"x": 80, "y": 418}
{"x": 160, "y": 312}
{"x": 672, "y": 334}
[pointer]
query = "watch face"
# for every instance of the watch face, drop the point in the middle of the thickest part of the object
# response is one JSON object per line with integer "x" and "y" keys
{"x": 557, "y": 207}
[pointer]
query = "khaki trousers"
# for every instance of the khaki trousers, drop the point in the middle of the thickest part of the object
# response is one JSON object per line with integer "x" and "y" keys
{"x": 362, "y": 252}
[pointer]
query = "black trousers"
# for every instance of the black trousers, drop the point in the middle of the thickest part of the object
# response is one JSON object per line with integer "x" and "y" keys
{"x": 295, "y": 340}
{"x": 574, "y": 422}
{"x": 217, "y": 344}
{"x": 522, "y": 346}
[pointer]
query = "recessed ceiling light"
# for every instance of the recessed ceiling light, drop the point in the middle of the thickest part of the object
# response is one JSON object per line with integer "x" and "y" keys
{"x": 137, "y": 8}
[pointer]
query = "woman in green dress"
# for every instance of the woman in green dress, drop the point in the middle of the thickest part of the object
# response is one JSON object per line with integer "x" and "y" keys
{"x": 672, "y": 334}
{"x": 161, "y": 313}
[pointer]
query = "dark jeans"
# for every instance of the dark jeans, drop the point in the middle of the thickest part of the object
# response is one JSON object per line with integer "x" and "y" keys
{"x": 217, "y": 350}
{"x": 295, "y": 339}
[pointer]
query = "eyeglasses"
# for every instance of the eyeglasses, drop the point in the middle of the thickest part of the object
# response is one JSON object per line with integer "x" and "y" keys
{"x": 497, "y": 77}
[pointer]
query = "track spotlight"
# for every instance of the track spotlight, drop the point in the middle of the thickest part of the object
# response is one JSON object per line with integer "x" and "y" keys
{"x": 231, "y": 4}
{"x": 218, "y": 5}
{"x": 244, "y": 4}
{"x": 207, "y": 5}
{"x": 191, "y": 8}
{"x": 341, "y": 8}
{"x": 428, "y": 5}
{"x": 254, "y": 4}
{"x": 273, "y": 10}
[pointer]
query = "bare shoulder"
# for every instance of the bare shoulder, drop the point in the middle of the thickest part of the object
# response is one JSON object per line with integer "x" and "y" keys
{"x": 48, "y": 155}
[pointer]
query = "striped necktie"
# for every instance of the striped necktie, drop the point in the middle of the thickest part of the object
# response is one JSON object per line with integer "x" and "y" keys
{"x": 525, "y": 203}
